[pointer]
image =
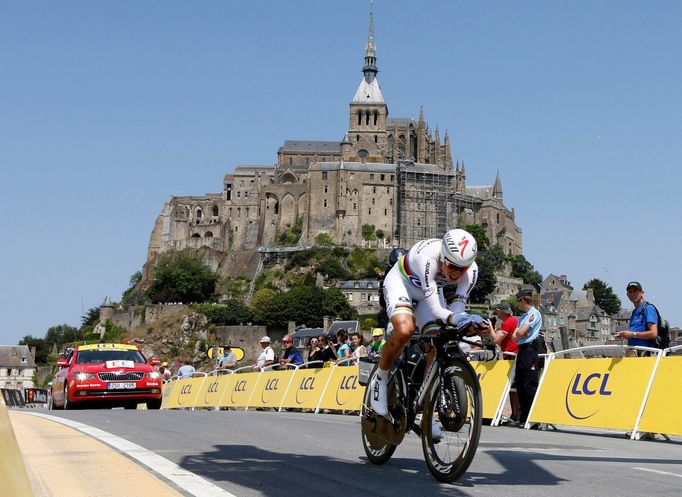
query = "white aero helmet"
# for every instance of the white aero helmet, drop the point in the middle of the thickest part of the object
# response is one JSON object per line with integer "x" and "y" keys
{"x": 459, "y": 247}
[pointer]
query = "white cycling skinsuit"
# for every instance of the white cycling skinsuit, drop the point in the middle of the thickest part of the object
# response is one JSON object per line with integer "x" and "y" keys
{"x": 416, "y": 279}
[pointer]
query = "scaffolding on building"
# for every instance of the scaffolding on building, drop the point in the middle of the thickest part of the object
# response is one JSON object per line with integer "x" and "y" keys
{"x": 427, "y": 203}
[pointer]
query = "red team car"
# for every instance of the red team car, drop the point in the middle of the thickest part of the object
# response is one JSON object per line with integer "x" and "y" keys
{"x": 106, "y": 374}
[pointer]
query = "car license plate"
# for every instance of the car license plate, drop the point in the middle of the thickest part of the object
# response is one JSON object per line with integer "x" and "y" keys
{"x": 120, "y": 386}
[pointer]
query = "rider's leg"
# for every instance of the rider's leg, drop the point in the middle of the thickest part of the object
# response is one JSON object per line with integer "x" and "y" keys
{"x": 403, "y": 327}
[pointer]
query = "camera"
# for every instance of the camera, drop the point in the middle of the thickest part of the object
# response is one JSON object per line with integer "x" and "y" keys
{"x": 493, "y": 320}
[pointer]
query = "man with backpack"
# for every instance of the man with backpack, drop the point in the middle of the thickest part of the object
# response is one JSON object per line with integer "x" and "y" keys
{"x": 644, "y": 321}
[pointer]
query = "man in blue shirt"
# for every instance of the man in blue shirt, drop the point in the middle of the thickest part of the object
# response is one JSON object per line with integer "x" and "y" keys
{"x": 643, "y": 321}
{"x": 526, "y": 335}
{"x": 291, "y": 354}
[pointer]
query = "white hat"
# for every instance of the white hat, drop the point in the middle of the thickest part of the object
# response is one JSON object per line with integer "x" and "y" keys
{"x": 265, "y": 340}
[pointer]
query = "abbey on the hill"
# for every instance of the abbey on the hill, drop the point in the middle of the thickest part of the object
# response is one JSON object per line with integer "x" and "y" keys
{"x": 392, "y": 173}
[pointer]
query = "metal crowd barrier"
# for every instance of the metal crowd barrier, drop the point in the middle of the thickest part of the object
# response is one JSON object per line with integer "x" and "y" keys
{"x": 622, "y": 393}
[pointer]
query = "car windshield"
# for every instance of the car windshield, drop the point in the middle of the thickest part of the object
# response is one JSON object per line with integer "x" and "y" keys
{"x": 102, "y": 356}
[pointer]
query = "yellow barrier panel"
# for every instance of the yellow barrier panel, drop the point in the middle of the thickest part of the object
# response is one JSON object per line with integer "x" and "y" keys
{"x": 494, "y": 379}
{"x": 306, "y": 388}
{"x": 240, "y": 390}
{"x": 166, "y": 393}
{"x": 664, "y": 405}
{"x": 213, "y": 389}
{"x": 343, "y": 390}
{"x": 184, "y": 393}
{"x": 270, "y": 389}
{"x": 597, "y": 393}
{"x": 12, "y": 470}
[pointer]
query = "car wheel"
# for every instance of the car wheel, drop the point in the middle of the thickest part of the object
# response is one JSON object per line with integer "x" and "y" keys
{"x": 66, "y": 404}
{"x": 50, "y": 403}
{"x": 154, "y": 404}
{"x": 130, "y": 405}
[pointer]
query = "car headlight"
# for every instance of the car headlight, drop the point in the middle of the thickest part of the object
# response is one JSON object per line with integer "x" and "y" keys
{"x": 85, "y": 376}
{"x": 154, "y": 375}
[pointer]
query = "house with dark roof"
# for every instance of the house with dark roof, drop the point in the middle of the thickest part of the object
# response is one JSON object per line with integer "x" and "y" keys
{"x": 17, "y": 365}
{"x": 362, "y": 294}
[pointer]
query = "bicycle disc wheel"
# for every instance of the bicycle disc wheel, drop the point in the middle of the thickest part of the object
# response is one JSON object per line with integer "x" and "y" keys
{"x": 380, "y": 436}
{"x": 449, "y": 447}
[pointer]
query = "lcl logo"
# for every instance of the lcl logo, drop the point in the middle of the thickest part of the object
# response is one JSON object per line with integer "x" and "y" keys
{"x": 307, "y": 384}
{"x": 592, "y": 384}
{"x": 184, "y": 390}
{"x": 239, "y": 386}
{"x": 347, "y": 383}
{"x": 270, "y": 386}
{"x": 212, "y": 388}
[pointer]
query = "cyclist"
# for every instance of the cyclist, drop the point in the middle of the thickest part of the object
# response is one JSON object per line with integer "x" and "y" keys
{"x": 419, "y": 276}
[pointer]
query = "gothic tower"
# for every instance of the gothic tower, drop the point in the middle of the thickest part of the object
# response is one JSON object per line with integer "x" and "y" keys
{"x": 368, "y": 111}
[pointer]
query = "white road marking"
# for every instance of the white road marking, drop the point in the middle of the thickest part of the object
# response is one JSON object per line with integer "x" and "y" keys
{"x": 186, "y": 480}
{"x": 659, "y": 472}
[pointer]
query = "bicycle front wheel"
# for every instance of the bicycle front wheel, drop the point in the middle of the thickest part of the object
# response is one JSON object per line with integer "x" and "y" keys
{"x": 451, "y": 426}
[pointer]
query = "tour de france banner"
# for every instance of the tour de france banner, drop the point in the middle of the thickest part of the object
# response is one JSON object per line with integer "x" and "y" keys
{"x": 270, "y": 389}
{"x": 212, "y": 390}
{"x": 493, "y": 377}
{"x": 306, "y": 388}
{"x": 343, "y": 390}
{"x": 663, "y": 411}
{"x": 598, "y": 393}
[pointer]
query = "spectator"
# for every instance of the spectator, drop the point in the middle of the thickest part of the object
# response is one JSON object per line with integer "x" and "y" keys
{"x": 359, "y": 349}
{"x": 510, "y": 349}
{"x": 267, "y": 356}
{"x": 643, "y": 328}
{"x": 343, "y": 350}
{"x": 165, "y": 372}
{"x": 313, "y": 346}
{"x": 291, "y": 354}
{"x": 186, "y": 370}
{"x": 378, "y": 342}
{"x": 324, "y": 353}
{"x": 526, "y": 335}
{"x": 228, "y": 360}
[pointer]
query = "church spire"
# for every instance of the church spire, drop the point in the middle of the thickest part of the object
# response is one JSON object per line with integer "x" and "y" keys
{"x": 370, "y": 68}
{"x": 497, "y": 189}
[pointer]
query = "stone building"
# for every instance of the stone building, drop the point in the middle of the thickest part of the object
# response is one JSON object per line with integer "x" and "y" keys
{"x": 563, "y": 306}
{"x": 363, "y": 295}
{"x": 390, "y": 172}
{"x": 17, "y": 365}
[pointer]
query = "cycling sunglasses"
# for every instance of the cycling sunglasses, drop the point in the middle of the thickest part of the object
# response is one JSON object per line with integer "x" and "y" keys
{"x": 450, "y": 265}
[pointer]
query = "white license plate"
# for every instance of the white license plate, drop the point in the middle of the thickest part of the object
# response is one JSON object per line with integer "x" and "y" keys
{"x": 120, "y": 386}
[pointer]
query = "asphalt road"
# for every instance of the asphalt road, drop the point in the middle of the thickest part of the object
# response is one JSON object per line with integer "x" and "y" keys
{"x": 299, "y": 455}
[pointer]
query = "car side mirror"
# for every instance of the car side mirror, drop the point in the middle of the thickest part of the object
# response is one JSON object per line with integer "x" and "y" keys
{"x": 154, "y": 361}
{"x": 62, "y": 363}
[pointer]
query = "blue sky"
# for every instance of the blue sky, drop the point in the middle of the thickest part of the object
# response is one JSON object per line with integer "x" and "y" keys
{"x": 110, "y": 107}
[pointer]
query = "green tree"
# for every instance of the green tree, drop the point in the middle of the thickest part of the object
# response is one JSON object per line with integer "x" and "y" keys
{"x": 336, "y": 304}
{"x": 604, "y": 296}
{"x": 331, "y": 266}
{"x": 368, "y": 232}
{"x": 90, "y": 318}
{"x": 42, "y": 347}
{"x": 182, "y": 277}
{"x": 262, "y": 303}
{"x": 323, "y": 239}
{"x": 480, "y": 235}
{"x": 380, "y": 234}
{"x": 486, "y": 281}
{"x": 231, "y": 312}
{"x": 523, "y": 269}
{"x": 135, "y": 294}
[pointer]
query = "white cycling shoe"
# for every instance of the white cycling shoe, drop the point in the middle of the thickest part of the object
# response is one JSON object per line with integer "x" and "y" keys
{"x": 379, "y": 397}
{"x": 436, "y": 432}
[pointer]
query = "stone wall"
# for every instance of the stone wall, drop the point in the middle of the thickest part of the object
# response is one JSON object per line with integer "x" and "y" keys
{"x": 138, "y": 315}
{"x": 248, "y": 337}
